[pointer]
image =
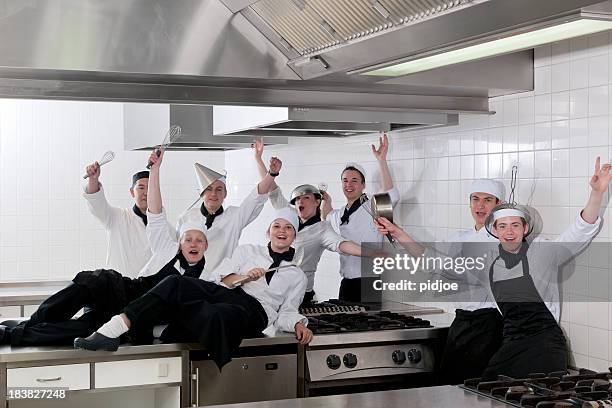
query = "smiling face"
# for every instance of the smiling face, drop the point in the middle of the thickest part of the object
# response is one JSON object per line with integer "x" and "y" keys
{"x": 511, "y": 231}
{"x": 281, "y": 234}
{"x": 214, "y": 195}
{"x": 139, "y": 193}
{"x": 193, "y": 245}
{"x": 353, "y": 184}
{"x": 306, "y": 206}
{"x": 481, "y": 205}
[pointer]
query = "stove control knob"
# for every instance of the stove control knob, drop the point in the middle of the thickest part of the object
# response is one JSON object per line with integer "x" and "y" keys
{"x": 333, "y": 361}
{"x": 414, "y": 356}
{"x": 399, "y": 357}
{"x": 350, "y": 360}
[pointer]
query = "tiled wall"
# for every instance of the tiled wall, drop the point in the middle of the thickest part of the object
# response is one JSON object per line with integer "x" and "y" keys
{"x": 46, "y": 231}
{"x": 554, "y": 133}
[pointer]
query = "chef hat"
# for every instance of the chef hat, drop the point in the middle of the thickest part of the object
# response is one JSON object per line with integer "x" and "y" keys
{"x": 192, "y": 224}
{"x": 288, "y": 214}
{"x": 138, "y": 176}
{"x": 355, "y": 166}
{"x": 508, "y": 210}
{"x": 489, "y": 186}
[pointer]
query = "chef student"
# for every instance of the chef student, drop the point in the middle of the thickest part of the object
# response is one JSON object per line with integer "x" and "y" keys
{"x": 105, "y": 292}
{"x": 314, "y": 235}
{"x": 216, "y": 313}
{"x": 225, "y": 225}
{"x": 523, "y": 281}
{"x": 128, "y": 249}
{"x": 476, "y": 331}
{"x": 353, "y": 222}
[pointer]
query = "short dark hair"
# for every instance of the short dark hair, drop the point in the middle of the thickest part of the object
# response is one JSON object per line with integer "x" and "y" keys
{"x": 355, "y": 169}
{"x": 138, "y": 176}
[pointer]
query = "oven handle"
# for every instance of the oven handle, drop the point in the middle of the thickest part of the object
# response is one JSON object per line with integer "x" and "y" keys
{"x": 195, "y": 379}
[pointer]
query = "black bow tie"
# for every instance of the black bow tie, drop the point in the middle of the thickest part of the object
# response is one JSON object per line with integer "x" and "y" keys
{"x": 354, "y": 207}
{"x": 277, "y": 258}
{"x": 210, "y": 218}
{"x": 139, "y": 213}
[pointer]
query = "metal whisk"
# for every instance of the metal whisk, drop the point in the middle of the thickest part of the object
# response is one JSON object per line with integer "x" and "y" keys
{"x": 173, "y": 133}
{"x": 106, "y": 157}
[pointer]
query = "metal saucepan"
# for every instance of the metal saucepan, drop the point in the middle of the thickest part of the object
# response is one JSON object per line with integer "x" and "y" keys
{"x": 381, "y": 207}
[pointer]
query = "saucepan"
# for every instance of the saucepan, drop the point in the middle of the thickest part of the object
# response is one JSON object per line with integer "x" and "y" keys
{"x": 381, "y": 206}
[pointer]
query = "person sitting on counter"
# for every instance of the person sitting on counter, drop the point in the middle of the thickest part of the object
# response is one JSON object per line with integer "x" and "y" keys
{"x": 245, "y": 294}
{"x": 523, "y": 281}
{"x": 314, "y": 235}
{"x": 105, "y": 292}
{"x": 128, "y": 249}
{"x": 476, "y": 331}
{"x": 225, "y": 225}
{"x": 353, "y": 222}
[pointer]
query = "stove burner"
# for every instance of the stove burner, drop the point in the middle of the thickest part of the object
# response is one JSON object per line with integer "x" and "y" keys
{"x": 559, "y": 389}
{"x": 348, "y": 322}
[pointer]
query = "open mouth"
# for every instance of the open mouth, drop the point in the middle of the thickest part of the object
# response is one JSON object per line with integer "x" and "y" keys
{"x": 194, "y": 252}
{"x": 300, "y": 208}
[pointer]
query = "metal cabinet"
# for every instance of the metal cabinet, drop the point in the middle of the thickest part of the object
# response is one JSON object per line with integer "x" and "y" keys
{"x": 244, "y": 379}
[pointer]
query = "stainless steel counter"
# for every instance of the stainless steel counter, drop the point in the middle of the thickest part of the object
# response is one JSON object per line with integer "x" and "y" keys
{"x": 28, "y": 293}
{"x": 445, "y": 396}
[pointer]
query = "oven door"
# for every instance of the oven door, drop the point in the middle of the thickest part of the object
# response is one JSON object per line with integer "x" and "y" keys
{"x": 244, "y": 379}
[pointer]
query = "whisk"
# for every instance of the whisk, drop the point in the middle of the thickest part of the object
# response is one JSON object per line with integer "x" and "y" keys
{"x": 298, "y": 259}
{"x": 106, "y": 157}
{"x": 171, "y": 135}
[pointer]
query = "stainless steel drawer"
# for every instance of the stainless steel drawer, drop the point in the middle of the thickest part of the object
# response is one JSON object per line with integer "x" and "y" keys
{"x": 245, "y": 379}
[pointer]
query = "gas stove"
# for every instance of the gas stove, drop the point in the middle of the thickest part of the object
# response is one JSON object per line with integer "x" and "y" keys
{"x": 357, "y": 349}
{"x": 581, "y": 389}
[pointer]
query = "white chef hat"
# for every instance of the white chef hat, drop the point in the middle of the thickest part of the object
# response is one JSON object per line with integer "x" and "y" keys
{"x": 489, "y": 186}
{"x": 192, "y": 224}
{"x": 288, "y": 214}
{"x": 357, "y": 166}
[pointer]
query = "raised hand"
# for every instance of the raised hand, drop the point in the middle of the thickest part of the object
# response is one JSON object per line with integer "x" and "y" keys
{"x": 383, "y": 149}
{"x": 156, "y": 160}
{"x": 601, "y": 177}
{"x": 275, "y": 165}
{"x": 93, "y": 171}
{"x": 258, "y": 147}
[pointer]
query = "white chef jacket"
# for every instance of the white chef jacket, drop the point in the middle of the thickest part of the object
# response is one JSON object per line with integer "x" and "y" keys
{"x": 225, "y": 232}
{"x": 479, "y": 295}
{"x": 128, "y": 248}
{"x": 311, "y": 241}
{"x": 544, "y": 259}
{"x": 163, "y": 241}
{"x": 359, "y": 229}
{"x": 281, "y": 298}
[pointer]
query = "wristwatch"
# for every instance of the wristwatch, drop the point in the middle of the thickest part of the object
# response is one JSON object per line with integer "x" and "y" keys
{"x": 273, "y": 174}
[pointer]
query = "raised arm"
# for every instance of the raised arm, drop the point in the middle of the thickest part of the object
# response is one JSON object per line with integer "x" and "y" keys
{"x": 154, "y": 200}
{"x": 381, "y": 156}
{"x": 258, "y": 147}
{"x": 326, "y": 208}
{"x": 267, "y": 183}
{"x": 93, "y": 182}
{"x": 599, "y": 185}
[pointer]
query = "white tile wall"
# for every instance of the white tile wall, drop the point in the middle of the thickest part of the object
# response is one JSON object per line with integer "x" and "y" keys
{"x": 46, "y": 230}
{"x": 554, "y": 133}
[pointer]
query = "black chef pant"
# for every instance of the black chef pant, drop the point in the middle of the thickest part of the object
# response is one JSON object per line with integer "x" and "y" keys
{"x": 543, "y": 352}
{"x": 473, "y": 338}
{"x": 217, "y": 317}
{"x": 358, "y": 290}
{"x": 104, "y": 292}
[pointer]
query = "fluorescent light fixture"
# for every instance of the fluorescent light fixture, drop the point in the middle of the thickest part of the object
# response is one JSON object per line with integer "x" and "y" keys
{"x": 492, "y": 48}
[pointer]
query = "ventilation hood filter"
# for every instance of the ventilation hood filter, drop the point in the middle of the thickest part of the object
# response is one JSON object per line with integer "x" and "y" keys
{"x": 145, "y": 125}
{"x": 307, "y": 122}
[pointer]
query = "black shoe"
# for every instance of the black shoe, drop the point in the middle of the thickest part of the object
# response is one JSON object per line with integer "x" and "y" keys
{"x": 97, "y": 341}
{"x": 11, "y": 323}
{"x": 5, "y": 335}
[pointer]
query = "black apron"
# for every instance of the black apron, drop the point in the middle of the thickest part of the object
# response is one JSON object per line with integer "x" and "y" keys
{"x": 473, "y": 338}
{"x": 533, "y": 341}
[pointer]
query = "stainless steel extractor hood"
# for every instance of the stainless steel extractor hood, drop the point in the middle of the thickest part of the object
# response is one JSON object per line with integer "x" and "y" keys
{"x": 309, "y": 122}
{"x": 145, "y": 126}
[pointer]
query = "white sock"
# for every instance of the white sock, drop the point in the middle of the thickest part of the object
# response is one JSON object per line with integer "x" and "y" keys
{"x": 114, "y": 328}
